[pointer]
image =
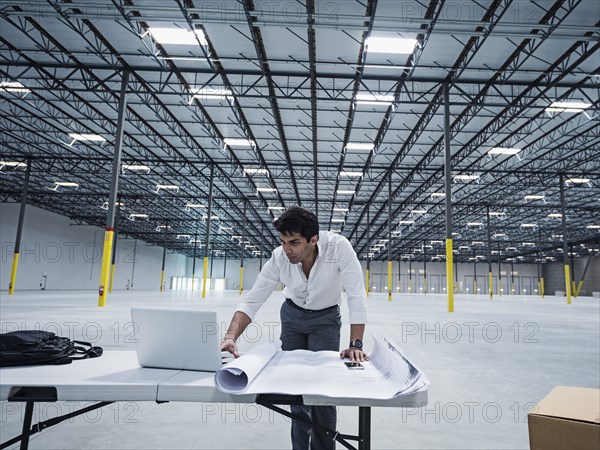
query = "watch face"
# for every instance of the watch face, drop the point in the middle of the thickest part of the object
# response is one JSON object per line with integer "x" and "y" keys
{"x": 356, "y": 344}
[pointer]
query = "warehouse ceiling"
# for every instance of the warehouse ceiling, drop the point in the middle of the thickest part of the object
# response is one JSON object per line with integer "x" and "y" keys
{"x": 305, "y": 102}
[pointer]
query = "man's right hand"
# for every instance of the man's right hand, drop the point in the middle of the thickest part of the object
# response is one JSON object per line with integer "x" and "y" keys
{"x": 229, "y": 345}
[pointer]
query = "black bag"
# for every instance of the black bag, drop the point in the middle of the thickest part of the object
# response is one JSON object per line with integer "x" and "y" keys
{"x": 32, "y": 347}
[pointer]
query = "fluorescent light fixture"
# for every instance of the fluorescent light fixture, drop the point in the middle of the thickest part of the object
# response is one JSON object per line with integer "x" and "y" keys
{"x": 351, "y": 174}
{"x": 224, "y": 228}
{"x": 396, "y": 45}
{"x": 195, "y": 241}
{"x": 11, "y": 164}
{"x": 365, "y": 146}
{"x": 214, "y": 217}
{"x": 166, "y": 187}
{"x": 477, "y": 243}
{"x": 497, "y": 214}
{"x": 239, "y": 142}
{"x": 438, "y": 194}
{"x": 86, "y": 137}
{"x": 500, "y": 235}
{"x": 528, "y": 225}
{"x": 465, "y": 177}
{"x": 578, "y": 180}
{"x": 255, "y": 171}
{"x": 194, "y": 205}
{"x": 183, "y": 236}
{"x": 134, "y": 216}
{"x": 13, "y": 86}
{"x": 418, "y": 211}
{"x": 436, "y": 242}
{"x": 574, "y": 106}
{"x": 163, "y": 227}
{"x": 210, "y": 93}
{"x": 136, "y": 167}
{"x": 555, "y": 215}
{"x": 105, "y": 205}
{"x": 177, "y": 36}
{"x": 503, "y": 151}
{"x": 474, "y": 224}
{"x": 345, "y": 192}
{"x": 528, "y": 244}
{"x": 533, "y": 197}
{"x": 341, "y": 209}
{"x": 511, "y": 249}
{"x": 266, "y": 189}
{"x": 338, "y": 220}
{"x": 593, "y": 227}
{"x": 67, "y": 184}
{"x": 367, "y": 98}
{"x": 464, "y": 247}
{"x": 407, "y": 222}
{"x": 275, "y": 208}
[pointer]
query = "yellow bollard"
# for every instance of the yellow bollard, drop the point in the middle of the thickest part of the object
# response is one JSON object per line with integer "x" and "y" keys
{"x": 474, "y": 287}
{"x": 491, "y": 281}
{"x": 204, "y": 273}
{"x": 542, "y": 286}
{"x": 368, "y": 281}
{"x": 13, "y": 274}
{"x": 162, "y": 280}
{"x": 193, "y": 279}
{"x": 106, "y": 257}
{"x": 450, "y": 274}
{"x": 568, "y": 283}
{"x": 241, "y": 279}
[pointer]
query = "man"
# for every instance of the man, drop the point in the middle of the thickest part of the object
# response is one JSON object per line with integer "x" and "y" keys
{"x": 313, "y": 266}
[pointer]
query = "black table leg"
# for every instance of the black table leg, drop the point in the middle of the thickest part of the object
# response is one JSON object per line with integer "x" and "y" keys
{"x": 364, "y": 427}
{"x": 27, "y": 425}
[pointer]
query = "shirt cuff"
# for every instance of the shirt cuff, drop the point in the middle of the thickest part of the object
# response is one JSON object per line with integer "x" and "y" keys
{"x": 247, "y": 309}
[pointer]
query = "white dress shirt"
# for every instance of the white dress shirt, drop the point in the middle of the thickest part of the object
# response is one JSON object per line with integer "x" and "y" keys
{"x": 336, "y": 266}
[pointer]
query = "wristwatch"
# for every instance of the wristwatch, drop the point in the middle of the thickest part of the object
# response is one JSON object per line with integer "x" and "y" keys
{"x": 357, "y": 343}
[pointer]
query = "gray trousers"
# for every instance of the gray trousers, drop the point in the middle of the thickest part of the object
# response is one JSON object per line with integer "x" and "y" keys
{"x": 315, "y": 330}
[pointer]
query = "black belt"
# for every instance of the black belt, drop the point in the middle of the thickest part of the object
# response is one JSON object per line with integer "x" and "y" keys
{"x": 293, "y": 305}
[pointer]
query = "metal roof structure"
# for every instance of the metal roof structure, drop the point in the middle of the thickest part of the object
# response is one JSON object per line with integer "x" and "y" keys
{"x": 285, "y": 103}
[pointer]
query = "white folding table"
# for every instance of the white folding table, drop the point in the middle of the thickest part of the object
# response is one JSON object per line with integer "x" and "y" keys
{"x": 116, "y": 376}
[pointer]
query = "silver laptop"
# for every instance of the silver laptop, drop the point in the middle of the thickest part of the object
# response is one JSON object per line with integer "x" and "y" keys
{"x": 169, "y": 338}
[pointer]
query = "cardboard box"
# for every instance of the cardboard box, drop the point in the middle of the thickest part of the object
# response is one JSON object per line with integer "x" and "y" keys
{"x": 567, "y": 418}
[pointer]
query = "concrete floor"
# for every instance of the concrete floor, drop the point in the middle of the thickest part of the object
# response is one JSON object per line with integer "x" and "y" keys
{"x": 489, "y": 363}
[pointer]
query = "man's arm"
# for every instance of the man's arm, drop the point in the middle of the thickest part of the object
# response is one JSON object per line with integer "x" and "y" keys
{"x": 238, "y": 324}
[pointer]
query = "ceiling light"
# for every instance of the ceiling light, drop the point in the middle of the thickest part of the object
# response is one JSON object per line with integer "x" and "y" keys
{"x": 345, "y": 192}
{"x": 194, "y": 205}
{"x": 86, "y": 137}
{"x": 224, "y": 228}
{"x": 163, "y": 227}
{"x": 11, "y": 164}
{"x": 177, "y": 36}
{"x": 436, "y": 242}
{"x": 533, "y": 197}
{"x": 503, "y": 151}
{"x": 407, "y": 222}
{"x": 167, "y": 187}
{"x": 593, "y": 227}
{"x": 500, "y": 235}
{"x": 350, "y": 174}
{"x": 568, "y": 106}
{"x": 239, "y": 142}
{"x": 13, "y": 86}
{"x": 396, "y": 45}
{"x": 134, "y": 216}
{"x": 578, "y": 180}
{"x": 66, "y": 184}
{"x": 476, "y": 243}
{"x": 275, "y": 208}
{"x": 266, "y": 189}
{"x": 528, "y": 244}
{"x": 136, "y": 167}
{"x": 255, "y": 171}
{"x": 555, "y": 215}
{"x": 214, "y": 217}
{"x": 528, "y": 225}
{"x": 341, "y": 209}
{"x": 418, "y": 211}
{"x": 438, "y": 194}
{"x": 474, "y": 224}
{"x": 210, "y": 93}
{"x": 105, "y": 205}
{"x": 338, "y": 220}
{"x": 195, "y": 241}
{"x": 497, "y": 213}
{"x": 367, "y": 98}
{"x": 360, "y": 146}
{"x": 183, "y": 236}
{"x": 465, "y": 177}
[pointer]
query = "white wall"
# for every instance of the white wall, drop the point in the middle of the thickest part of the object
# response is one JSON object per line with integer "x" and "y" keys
{"x": 70, "y": 255}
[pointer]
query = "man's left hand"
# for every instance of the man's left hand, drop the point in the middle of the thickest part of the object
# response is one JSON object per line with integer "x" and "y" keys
{"x": 355, "y": 354}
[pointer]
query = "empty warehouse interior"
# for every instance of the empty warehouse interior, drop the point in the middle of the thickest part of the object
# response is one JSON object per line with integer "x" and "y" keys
{"x": 147, "y": 147}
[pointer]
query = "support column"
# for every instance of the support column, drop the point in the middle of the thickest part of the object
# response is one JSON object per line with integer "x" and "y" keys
{"x": 448, "y": 191}
{"x": 243, "y": 250}
{"x": 512, "y": 277}
{"x": 500, "y": 288}
{"x": 368, "y": 275}
{"x": 572, "y": 261}
{"x": 410, "y": 274}
{"x": 15, "y": 263}
{"x": 489, "y": 249}
{"x": 540, "y": 268}
{"x": 389, "y": 268}
{"x": 208, "y": 218}
{"x": 114, "y": 253}
{"x": 474, "y": 271}
{"x": 112, "y": 198}
{"x": 134, "y": 261}
{"x": 424, "y": 268}
{"x": 164, "y": 259}
{"x": 194, "y": 260}
{"x": 565, "y": 239}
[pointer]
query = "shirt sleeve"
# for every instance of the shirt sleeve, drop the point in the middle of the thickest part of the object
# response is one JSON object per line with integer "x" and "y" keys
{"x": 264, "y": 286}
{"x": 352, "y": 279}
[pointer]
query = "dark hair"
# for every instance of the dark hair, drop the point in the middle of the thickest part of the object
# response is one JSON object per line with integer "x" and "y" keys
{"x": 297, "y": 220}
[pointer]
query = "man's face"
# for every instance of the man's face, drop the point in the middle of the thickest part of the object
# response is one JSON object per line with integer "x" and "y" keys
{"x": 296, "y": 247}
